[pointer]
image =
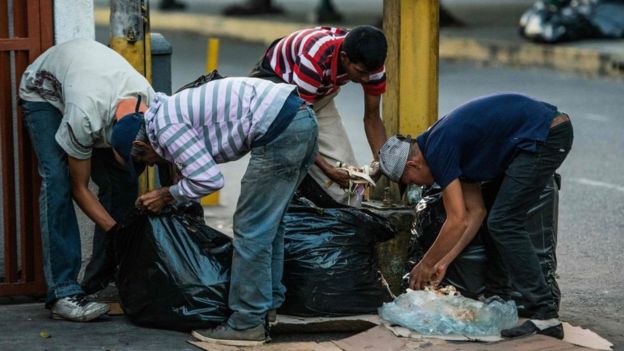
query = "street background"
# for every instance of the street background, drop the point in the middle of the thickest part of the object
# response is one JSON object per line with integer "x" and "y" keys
{"x": 591, "y": 212}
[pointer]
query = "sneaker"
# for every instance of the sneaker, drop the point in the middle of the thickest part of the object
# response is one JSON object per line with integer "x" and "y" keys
{"x": 78, "y": 308}
{"x": 225, "y": 335}
{"x": 272, "y": 317}
{"x": 529, "y": 328}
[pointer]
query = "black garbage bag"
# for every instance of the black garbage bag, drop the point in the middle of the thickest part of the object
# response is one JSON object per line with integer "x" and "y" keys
{"x": 469, "y": 270}
{"x": 329, "y": 266}
{"x": 565, "y": 20}
{"x": 174, "y": 270}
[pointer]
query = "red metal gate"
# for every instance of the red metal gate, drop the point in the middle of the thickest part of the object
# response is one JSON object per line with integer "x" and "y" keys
{"x": 25, "y": 32}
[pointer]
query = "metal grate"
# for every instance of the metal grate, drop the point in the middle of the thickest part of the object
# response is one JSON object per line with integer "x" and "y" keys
{"x": 25, "y": 32}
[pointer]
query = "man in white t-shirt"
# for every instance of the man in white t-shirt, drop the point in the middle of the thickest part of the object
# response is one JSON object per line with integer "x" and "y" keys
{"x": 71, "y": 96}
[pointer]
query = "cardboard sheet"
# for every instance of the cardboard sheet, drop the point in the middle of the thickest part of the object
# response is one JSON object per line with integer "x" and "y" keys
{"x": 282, "y": 346}
{"x": 585, "y": 337}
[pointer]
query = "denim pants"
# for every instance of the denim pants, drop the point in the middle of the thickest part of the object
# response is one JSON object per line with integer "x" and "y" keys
{"x": 60, "y": 236}
{"x": 522, "y": 184}
{"x": 274, "y": 172}
{"x": 117, "y": 192}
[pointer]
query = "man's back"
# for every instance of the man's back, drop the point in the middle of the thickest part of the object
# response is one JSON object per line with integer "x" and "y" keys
{"x": 309, "y": 58}
{"x": 225, "y": 116}
{"x": 477, "y": 140}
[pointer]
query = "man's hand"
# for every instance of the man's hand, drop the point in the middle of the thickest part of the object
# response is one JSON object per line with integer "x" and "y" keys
{"x": 155, "y": 200}
{"x": 421, "y": 275}
{"x": 339, "y": 176}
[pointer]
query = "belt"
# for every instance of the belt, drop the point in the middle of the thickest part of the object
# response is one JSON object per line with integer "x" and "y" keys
{"x": 560, "y": 118}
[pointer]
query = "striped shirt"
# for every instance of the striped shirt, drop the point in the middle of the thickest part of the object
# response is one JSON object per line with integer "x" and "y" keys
{"x": 217, "y": 122}
{"x": 308, "y": 58}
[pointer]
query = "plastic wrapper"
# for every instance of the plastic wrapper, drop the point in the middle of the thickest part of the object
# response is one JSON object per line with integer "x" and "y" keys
{"x": 427, "y": 313}
{"x": 329, "y": 266}
{"x": 174, "y": 271}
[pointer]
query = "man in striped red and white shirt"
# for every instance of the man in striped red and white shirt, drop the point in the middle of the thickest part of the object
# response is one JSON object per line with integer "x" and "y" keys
{"x": 218, "y": 122}
{"x": 319, "y": 61}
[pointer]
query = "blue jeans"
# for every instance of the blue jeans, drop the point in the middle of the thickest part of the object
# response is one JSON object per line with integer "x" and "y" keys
{"x": 59, "y": 227}
{"x": 274, "y": 172}
{"x": 117, "y": 192}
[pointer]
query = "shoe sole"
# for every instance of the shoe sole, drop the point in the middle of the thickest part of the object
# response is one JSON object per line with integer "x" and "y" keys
{"x": 226, "y": 341}
{"x": 86, "y": 319}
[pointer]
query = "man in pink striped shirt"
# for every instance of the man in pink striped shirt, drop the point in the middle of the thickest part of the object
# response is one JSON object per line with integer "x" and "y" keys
{"x": 196, "y": 129}
{"x": 319, "y": 61}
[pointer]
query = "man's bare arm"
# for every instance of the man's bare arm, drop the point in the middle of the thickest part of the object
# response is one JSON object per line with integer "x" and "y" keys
{"x": 452, "y": 230}
{"x": 80, "y": 173}
{"x": 373, "y": 125}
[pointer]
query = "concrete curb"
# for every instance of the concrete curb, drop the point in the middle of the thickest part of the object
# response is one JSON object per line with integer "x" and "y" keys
{"x": 485, "y": 51}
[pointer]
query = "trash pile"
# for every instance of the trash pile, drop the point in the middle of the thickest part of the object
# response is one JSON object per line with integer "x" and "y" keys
{"x": 329, "y": 265}
{"x": 445, "y": 312}
{"x": 568, "y": 20}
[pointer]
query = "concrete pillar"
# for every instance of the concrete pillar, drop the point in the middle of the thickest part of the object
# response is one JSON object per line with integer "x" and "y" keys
{"x": 73, "y": 19}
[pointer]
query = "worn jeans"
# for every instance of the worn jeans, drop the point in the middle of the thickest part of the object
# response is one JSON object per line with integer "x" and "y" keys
{"x": 524, "y": 181}
{"x": 274, "y": 172}
{"x": 117, "y": 192}
{"x": 60, "y": 235}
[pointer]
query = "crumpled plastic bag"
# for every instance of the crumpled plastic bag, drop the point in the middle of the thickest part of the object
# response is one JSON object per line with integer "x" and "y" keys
{"x": 427, "y": 313}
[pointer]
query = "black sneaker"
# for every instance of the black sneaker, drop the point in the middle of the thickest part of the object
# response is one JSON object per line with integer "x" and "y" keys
{"x": 529, "y": 328}
{"x": 225, "y": 335}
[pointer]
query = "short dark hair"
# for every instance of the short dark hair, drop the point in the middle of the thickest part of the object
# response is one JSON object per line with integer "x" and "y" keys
{"x": 366, "y": 45}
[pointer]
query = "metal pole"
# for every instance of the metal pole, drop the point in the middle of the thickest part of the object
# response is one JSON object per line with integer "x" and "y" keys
{"x": 212, "y": 62}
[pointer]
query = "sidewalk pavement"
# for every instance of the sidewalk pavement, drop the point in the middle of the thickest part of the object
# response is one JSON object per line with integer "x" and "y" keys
{"x": 489, "y": 36}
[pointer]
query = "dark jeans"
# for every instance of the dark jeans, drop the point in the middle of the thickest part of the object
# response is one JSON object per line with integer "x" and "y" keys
{"x": 117, "y": 192}
{"x": 515, "y": 259}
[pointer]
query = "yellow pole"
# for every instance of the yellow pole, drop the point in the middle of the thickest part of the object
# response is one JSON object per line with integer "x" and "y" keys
{"x": 212, "y": 62}
{"x": 418, "y": 96}
{"x": 212, "y": 55}
{"x": 410, "y": 104}
{"x": 130, "y": 37}
{"x": 411, "y": 101}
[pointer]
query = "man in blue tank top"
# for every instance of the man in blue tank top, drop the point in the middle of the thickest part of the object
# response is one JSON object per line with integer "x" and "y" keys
{"x": 503, "y": 136}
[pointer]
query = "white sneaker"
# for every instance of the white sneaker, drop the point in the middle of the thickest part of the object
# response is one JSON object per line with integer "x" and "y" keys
{"x": 78, "y": 308}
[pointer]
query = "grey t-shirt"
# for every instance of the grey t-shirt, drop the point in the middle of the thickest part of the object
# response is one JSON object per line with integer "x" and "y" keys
{"x": 84, "y": 80}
